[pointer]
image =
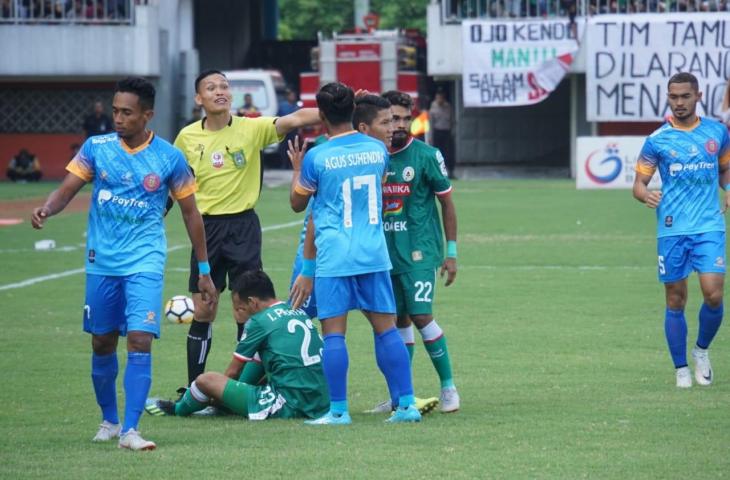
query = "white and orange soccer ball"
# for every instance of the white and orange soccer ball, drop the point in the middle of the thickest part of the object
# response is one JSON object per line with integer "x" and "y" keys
{"x": 179, "y": 309}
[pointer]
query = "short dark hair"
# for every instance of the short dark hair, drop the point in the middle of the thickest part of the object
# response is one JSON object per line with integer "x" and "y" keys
{"x": 204, "y": 74}
{"x": 141, "y": 87}
{"x": 684, "y": 77}
{"x": 336, "y": 101}
{"x": 253, "y": 283}
{"x": 399, "y": 99}
{"x": 367, "y": 108}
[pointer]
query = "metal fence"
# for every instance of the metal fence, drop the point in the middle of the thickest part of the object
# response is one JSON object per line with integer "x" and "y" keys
{"x": 115, "y": 12}
{"x": 453, "y": 11}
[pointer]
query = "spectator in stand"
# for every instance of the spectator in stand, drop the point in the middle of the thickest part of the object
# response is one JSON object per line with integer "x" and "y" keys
{"x": 97, "y": 123}
{"x": 196, "y": 114}
{"x": 442, "y": 120}
{"x": 24, "y": 167}
{"x": 248, "y": 108}
{"x": 6, "y": 8}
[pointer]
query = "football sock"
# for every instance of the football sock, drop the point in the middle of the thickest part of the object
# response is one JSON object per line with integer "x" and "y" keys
{"x": 397, "y": 366}
{"x": 379, "y": 358}
{"x": 252, "y": 373}
{"x": 199, "y": 342}
{"x": 335, "y": 362}
{"x": 409, "y": 339}
{"x": 192, "y": 401}
{"x": 710, "y": 320}
{"x": 435, "y": 342}
{"x": 675, "y": 329}
{"x": 239, "y": 329}
{"x": 137, "y": 381}
{"x": 104, "y": 369}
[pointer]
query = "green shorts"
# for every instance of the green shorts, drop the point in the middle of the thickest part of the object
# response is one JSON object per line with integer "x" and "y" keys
{"x": 255, "y": 402}
{"x": 413, "y": 292}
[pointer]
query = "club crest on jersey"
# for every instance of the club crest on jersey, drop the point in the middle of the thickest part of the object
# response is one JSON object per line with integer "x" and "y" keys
{"x": 392, "y": 206}
{"x": 150, "y": 317}
{"x": 216, "y": 159}
{"x": 151, "y": 182}
{"x": 693, "y": 150}
{"x": 668, "y": 221}
{"x": 711, "y": 146}
{"x": 408, "y": 174}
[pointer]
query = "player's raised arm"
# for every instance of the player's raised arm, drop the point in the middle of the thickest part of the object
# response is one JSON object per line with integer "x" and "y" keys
{"x": 196, "y": 232}
{"x": 57, "y": 200}
{"x": 296, "y": 156}
{"x": 303, "y": 117}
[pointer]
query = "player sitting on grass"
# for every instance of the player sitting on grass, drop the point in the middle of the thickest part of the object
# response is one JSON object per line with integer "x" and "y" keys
{"x": 288, "y": 346}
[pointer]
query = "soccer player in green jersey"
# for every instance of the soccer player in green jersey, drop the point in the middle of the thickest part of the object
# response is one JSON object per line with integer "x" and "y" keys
{"x": 416, "y": 177}
{"x": 286, "y": 344}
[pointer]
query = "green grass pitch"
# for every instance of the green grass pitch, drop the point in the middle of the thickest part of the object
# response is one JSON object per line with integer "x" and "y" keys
{"x": 555, "y": 327}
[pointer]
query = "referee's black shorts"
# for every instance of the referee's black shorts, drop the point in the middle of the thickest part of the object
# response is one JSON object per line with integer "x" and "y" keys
{"x": 234, "y": 246}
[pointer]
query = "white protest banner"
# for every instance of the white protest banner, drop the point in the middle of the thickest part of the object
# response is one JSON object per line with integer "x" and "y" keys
{"x": 510, "y": 63}
{"x": 608, "y": 162}
{"x": 631, "y": 57}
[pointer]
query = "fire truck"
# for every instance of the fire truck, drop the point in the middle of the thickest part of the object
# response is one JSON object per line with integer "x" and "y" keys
{"x": 377, "y": 61}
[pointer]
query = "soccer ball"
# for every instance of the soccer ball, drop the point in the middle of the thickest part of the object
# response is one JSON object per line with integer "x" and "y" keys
{"x": 179, "y": 309}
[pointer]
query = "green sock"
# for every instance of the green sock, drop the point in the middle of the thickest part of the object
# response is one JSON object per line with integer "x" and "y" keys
{"x": 439, "y": 353}
{"x": 411, "y": 350}
{"x": 187, "y": 405}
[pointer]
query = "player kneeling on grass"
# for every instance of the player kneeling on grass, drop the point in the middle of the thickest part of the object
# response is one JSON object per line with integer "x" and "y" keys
{"x": 288, "y": 347}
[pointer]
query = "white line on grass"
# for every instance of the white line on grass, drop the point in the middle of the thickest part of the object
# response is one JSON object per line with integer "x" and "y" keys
{"x": 53, "y": 276}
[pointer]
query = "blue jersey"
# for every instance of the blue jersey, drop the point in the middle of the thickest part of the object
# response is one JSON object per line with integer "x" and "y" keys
{"x": 126, "y": 232}
{"x": 345, "y": 175}
{"x": 688, "y": 160}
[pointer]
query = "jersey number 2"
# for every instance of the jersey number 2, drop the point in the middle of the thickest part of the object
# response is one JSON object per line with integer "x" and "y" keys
{"x": 357, "y": 183}
{"x": 307, "y": 359}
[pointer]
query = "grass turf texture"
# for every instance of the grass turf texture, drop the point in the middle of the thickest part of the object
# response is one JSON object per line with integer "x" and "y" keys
{"x": 555, "y": 327}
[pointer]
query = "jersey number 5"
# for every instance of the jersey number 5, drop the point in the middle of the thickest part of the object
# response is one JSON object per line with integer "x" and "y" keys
{"x": 356, "y": 183}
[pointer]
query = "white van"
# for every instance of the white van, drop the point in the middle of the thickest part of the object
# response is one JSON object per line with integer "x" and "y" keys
{"x": 267, "y": 87}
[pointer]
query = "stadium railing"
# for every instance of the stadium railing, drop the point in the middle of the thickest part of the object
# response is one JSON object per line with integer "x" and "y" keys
{"x": 453, "y": 11}
{"x": 44, "y": 12}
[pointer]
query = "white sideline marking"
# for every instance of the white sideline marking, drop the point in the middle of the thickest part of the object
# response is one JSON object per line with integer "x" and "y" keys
{"x": 53, "y": 276}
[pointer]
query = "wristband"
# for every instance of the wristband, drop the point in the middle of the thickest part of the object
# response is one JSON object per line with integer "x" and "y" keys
{"x": 451, "y": 248}
{"x": 308, "y": 265}
{"x": 204, "y": 268}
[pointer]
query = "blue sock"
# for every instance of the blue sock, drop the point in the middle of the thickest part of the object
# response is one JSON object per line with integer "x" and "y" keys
{"x": 379, "y": 354}
{"x": 397, "y": 365}
{"x": 137, "y": 381}
{"x": 675, "y": 329}
{"x": 104, "y": 369}
{"x": 710, "y": 320}
{"x": 335, "y": 362}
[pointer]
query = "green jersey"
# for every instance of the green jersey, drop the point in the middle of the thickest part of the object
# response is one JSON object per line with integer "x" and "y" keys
{"x": 290, "y": 350}
{"x": 416, "y": 174}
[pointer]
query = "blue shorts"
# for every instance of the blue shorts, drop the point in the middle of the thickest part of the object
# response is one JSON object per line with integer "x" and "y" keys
{"x": 310, "y": 304}
{"x": 122, "y": 304}
{"x": 370, "y": 291}
{"x": 680, "y": 254}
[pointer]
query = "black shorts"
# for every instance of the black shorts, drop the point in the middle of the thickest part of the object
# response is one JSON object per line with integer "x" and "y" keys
{"x": 234, "y": 246}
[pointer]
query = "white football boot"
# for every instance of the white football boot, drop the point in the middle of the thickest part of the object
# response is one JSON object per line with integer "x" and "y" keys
{"x": 449, "y": 399}
{"x": 703, "y": 368}
{"x": 107, "y": 431}
{"x": 684, "y": 378}
{"x": 134, "y": 441}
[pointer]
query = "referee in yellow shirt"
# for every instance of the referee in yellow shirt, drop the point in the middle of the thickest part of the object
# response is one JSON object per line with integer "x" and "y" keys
{"x": 224, "y": 153}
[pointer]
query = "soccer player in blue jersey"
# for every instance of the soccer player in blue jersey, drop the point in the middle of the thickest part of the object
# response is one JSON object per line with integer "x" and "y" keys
{"x": 692, "y": 155}
{"x": 351, "y": 267}
{"x": 132, "y": 172}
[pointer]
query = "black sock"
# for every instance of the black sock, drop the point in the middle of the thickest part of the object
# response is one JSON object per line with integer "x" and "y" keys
{"x": 200, "y": 338}
{"x": 240, "y": 331}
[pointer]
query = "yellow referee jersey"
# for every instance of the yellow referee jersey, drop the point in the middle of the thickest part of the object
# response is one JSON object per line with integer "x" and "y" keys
{"x": 227, "y": 162}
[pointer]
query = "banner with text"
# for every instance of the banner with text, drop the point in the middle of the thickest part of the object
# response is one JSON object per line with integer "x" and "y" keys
{"x": 515, "y": 62}
{"x": 608, "y": 162}
{"x": 631, "y": 57}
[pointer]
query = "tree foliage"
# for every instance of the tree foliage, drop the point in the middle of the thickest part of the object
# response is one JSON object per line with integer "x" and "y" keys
{"x": 302, "y": 19}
